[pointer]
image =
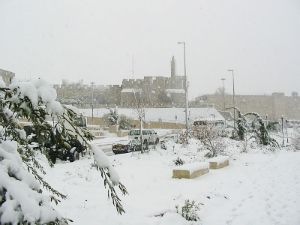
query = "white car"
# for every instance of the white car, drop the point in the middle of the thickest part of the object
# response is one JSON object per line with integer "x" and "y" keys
{"x": 172, "y": 138}
{"x": 149, "y": 136}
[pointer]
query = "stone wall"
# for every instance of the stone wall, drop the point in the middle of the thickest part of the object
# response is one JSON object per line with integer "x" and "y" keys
{"x": 272, "y": 106}
{"x": 152, "y": 90}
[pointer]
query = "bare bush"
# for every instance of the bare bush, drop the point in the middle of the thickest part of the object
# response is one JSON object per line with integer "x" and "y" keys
{"x": 211, "y": 139}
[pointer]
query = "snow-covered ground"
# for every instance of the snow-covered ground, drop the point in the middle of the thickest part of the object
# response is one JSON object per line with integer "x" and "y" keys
{"x": 258, "y": 187}
{"x": 175, "y": 115}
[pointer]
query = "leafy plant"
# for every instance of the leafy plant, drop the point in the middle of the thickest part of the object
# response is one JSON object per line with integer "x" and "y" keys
{"x": 190, "y": 210}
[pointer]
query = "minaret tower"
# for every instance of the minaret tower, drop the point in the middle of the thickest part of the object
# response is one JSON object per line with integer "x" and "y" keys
{"x": 173, "y": 69}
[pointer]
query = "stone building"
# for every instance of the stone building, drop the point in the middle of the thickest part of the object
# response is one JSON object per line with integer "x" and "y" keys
{"x": 150, "y": 91}
{"x": 154, "y": 91}
{"x": 272, "y": 107}
{"x": 6, "y": 76}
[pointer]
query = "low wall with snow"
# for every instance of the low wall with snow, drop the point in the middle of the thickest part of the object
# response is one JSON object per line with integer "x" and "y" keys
{"x": 191, "y": 171}
{"x": 218, "y": 162}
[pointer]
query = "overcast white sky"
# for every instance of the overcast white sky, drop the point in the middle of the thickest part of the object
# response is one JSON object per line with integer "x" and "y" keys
{"x": 97, "y": 40}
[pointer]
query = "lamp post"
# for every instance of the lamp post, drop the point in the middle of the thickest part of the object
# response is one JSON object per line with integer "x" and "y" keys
{"x": 92, "y": 84}
{"x": 233, "y": 96}
{"x": 223, "y": 92}
{"x": 185, "y": 87}
{"x": 287, "y": 134}
{"x": 282, "y": 131}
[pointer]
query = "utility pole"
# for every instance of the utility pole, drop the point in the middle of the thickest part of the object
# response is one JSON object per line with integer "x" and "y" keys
{"x": 233, "y": 96}
{"x": 185, "y": 87}
{"x": 92, "y": 84}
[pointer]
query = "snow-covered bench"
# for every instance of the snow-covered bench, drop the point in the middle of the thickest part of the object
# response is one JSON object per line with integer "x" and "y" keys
{"x": 191, "y": 170}
{"x": 218, "y": 162}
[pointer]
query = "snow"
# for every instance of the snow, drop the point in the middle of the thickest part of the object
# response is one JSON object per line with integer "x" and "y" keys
{"x": 175, "y": 115}
{"x": 2, "y": 84}
{"x": 256, "y": 188}
{"x": 131, "y": 90}
{"x": 34, "y": 90}
{"x": 22, "y": 198}
{"x": 218, "y": 159}
{"x": 192, "y": 167}
{"x": 179, "y": 91}
{"x": 100, "y": 158}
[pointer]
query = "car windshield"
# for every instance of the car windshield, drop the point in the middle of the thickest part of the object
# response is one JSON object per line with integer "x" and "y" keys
{"x": 134, "y": 132}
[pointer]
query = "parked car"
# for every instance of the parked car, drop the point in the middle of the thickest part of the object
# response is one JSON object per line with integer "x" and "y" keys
{"x": 173, "y": 138}
{"x": 125, "y": 146}
{"x": 149, "y": 136}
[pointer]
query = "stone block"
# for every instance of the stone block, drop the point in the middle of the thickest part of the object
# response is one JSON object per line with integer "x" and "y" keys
{"x": 218, "y": 162}
{"x": 190, "y": 171}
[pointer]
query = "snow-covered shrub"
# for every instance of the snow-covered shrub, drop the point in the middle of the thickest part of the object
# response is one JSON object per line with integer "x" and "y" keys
{"x": 21, "y": 198}
{"x": 178, "y": 161}
{"x": 190, "y": 210}
{"x": 125, "y": 123}
{"x": 296, "y": 142}
{"x": 112, "y": 117}
{"x": 211, "y": 140}
{"x": 260, "y": 132}
{"x": 186, "y": 135}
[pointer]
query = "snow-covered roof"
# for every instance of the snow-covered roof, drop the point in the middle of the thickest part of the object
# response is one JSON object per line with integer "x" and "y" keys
{"x": 131, "y": 90}
{"x": 176, "y": 115}
{"x": 179, "y": 91}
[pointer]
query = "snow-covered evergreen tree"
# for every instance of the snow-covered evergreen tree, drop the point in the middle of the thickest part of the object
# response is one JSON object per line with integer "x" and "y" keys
{"x": 260, "y": 131}
{"x": 113, "y": 116}
{"x": 241, "y": 129}
{"x": 241, "y": 126}
{"x": 21, "y": 197}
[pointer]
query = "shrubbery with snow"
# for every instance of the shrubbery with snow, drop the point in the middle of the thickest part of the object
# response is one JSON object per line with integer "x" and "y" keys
{"x": 21, "y": 175}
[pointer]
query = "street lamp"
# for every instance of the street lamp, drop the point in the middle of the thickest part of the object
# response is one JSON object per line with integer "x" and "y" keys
{"x": 223, "y": 92}
{"x": 185, "y": 87}
{"x": 92, "y": 84}
{"x": 282, "y": 131}
{"x": 233, "y": 97}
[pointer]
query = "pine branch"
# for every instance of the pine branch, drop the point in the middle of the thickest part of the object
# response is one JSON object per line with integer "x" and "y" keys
{"x": 111, "y": 190}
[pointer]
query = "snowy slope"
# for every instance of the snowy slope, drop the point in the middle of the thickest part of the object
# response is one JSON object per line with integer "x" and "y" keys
{"x": 255, "y": 188}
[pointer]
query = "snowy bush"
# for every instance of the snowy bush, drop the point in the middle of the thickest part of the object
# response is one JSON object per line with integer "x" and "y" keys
{"x": 296, "y": 142}
{"x": 178, "y": 161}
{"x": 111, "y": 118}
{"x": 260, "y": 132}
{"x": 21, "y": 196}
{"x": 211, "y": 140}
{"x": 125, "y": 123}
{"x": 190, "y": 210}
